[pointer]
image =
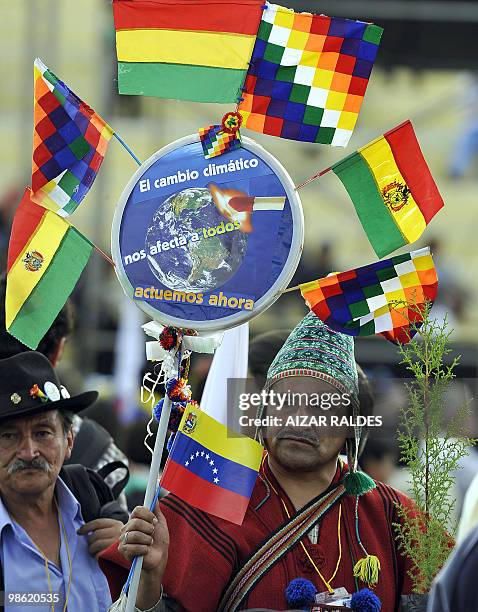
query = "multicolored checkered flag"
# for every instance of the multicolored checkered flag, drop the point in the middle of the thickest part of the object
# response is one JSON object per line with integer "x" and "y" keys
{"x": 387, "y": 297}
{"x": 308, "y": 75}
{"x": 69, "y": 144}
{"x": 215, "y": 141}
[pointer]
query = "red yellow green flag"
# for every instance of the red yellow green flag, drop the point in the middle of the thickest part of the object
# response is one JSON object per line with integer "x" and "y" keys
{"x": 46, "y": 257}
{"x": 391, "y": 188}
{"x": 185, "y": 50}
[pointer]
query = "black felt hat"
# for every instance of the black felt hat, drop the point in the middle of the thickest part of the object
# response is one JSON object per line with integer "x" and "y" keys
{"x": 29, "y": 385}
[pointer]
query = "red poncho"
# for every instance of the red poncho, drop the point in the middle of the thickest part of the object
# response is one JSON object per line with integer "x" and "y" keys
{"x": 205, "y": 551}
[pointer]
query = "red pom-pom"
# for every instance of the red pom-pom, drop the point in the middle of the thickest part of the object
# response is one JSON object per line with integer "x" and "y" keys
{"x": 231, "y": 122}
{"x": 178, "y": 390}
{"x": 168, "y": 338}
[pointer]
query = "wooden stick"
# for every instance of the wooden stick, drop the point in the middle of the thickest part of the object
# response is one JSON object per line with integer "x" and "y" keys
{"x": 312, "y": 178}
{"x": 104, "y": 255}
{"x": 291, "y": 289}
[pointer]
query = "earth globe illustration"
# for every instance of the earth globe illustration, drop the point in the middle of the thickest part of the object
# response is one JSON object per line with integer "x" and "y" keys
{"x": 200, "y": 264}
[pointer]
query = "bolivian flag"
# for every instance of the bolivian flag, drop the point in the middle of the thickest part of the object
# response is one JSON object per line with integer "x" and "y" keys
{"x": 196, "y": 50}
{"x": 211, "y": 468}
{"x": 46, "y": 256}
{"x": 392, "y": 189}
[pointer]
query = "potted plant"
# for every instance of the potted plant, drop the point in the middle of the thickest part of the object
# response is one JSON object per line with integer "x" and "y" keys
{"x": 431, "y": 448}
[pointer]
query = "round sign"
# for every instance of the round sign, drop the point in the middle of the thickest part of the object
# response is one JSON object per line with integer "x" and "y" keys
{"x": 207, "y": 243}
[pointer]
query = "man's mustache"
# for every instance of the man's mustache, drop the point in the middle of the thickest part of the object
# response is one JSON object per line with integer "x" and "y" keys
{"x": 35, "y": 464}
{"x": 295, "y": 434}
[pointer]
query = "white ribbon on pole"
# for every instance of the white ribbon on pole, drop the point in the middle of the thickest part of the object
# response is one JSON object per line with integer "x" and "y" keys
{"x": 230, "y": 361}
{"x": 197, "y": 344}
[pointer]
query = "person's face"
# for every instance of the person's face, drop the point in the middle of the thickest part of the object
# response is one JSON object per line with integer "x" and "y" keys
{"x": 32, "y": 452}
{"x": 304, "y": 447}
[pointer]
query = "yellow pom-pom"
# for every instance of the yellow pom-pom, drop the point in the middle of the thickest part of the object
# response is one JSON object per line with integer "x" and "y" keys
{"x": 367, "y": 569}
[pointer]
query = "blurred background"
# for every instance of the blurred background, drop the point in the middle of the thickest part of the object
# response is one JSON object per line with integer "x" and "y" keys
{"x": 426, "y": 71}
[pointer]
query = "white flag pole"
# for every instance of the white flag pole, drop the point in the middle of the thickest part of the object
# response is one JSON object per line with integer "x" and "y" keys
{"x": 152, "y": 486}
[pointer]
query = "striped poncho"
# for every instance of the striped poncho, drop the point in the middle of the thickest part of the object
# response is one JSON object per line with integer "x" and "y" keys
{"x": 205, "y": 551}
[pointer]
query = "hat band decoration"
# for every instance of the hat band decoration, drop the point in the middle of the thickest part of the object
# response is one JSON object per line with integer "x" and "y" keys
{"x": 36, "y": 392}
{"x": 29, "y": 385}
{"x": 51, "y": 393}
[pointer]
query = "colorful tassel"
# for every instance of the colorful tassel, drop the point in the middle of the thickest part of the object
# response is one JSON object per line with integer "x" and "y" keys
{"x": 178, "y": 390}
{"x": 158, "y": 409}
{"x": 300, "y": 594}
{"x": 168, "y": 338}
{"x": 177, "y": 411}
{"x": 365, "y": 601}
{"x": 367, "y": 569}
{"x": 358, "y": 483}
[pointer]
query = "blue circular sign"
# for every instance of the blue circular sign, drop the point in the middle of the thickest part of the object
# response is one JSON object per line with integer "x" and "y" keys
{"x": 207, "y": 243}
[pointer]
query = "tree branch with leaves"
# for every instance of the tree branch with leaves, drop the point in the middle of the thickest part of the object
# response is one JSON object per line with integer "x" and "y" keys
{"x": 431, "y": 447}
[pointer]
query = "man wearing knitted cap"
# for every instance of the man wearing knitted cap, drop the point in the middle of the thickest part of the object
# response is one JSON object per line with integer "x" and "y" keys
{"x": 304, "y": 519}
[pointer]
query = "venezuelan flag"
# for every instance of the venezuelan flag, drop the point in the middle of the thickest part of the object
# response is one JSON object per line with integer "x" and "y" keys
{"x": 46, "y": 256}
{"x": 197, "y": 50}
{"x": 391, "y": 188}
{"x": 212, "y": 468}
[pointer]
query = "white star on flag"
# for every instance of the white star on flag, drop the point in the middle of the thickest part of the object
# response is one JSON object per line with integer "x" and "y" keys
{"x": 191, "y": 457}
{"x": 197, "y": 453}
{"x": 211, "y": 462}
{"x": 202, "y": 453}
{"x": 207, "y": 456}
{"x": 216, "y": 480}
{"x": 215, "y": 471}
{"x": 187, "y": 463}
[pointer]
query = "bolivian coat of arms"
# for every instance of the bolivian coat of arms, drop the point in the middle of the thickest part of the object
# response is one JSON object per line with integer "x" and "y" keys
{"x": 396, "y": 195}
{"x": 33, "y": 261}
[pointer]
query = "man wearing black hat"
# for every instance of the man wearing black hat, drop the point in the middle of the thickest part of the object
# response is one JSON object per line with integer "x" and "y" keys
{"x": 94, "y": 447}
{"x": 44, "y": 560}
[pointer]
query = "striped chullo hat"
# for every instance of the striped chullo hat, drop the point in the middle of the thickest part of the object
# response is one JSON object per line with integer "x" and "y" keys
{"x": 313, "y": 349}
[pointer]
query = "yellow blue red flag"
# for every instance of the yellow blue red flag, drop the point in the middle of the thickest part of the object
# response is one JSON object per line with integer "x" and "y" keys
{"x": 211, "y": 467}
